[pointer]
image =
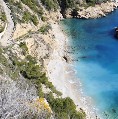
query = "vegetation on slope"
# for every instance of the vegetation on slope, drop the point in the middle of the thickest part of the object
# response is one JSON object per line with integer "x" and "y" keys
{"x": 50, "y": 4}
{"x": 19, "y": 100}
{"x": 2, "y": 20}
{"x": 45, "y": 28}
{"x": 28, "y": 17}
{"x": 63, "y": 108}
{"x": 33, "y": 5}
{"x": 1, "y": 29}
{"x": 73, "y": 4}
{"x": 21, "y": 15}
{"x": 3, "y": 17}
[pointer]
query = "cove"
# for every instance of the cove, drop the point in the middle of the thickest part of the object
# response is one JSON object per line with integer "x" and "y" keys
{"x": 95, "y": 51}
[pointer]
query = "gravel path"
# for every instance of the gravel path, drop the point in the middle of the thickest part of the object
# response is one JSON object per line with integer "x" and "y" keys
{"x": 7, "y": 37}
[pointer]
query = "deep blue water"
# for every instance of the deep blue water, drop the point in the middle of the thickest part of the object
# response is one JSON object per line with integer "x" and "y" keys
{"x": 96, "y": 50}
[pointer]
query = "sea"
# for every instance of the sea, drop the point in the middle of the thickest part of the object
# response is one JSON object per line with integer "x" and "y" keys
{"x": 95, "y": 58}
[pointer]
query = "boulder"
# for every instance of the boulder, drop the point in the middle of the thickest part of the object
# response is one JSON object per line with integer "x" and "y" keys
{"x": 116, "y": 32}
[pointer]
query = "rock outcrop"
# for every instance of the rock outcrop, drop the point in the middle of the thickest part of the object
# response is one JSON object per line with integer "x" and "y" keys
{"x": 116, "y": 32}
{"x": 19, "y": 100}
{"x": 99, "y": 10}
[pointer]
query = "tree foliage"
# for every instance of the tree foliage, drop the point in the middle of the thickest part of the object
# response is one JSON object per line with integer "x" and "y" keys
{"x": 3, "y": 16}
{"x": 45, "y": 28}
{"x": 50, "y": 4}
{"x": 64, "y": 108}
{"x": 33, "y": 5}
{"x": 28, "y": 17}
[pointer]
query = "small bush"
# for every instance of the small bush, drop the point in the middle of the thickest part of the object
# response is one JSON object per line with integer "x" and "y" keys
{"x": 45, "y": 28}
{"x": 34, "y": 20}
{"x": 33, "y": 5}
{"x": 3, "y": 60}
{"x": 50, "y": 4}
{"x": 10, "y": 1}
{"x": 1, "y": 51}
{"x": 1, "y": 29}
{"x": 14, "y": 75}
{"x": 44, "y": 18}
{"x": 26, "y": 17}
{"x": 1, "y": 71}
{"x": 31, "y": 59}
{"x": 3, "y": 17}
{"x": 31, "y": 71}
{"x": 24, "y": 48}
{"x": 19, "y": 5}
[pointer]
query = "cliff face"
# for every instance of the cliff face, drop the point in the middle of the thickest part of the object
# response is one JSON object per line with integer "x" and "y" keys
{"x": 81, "y": 8}
{"x": 99, "y": 10}
{"x": 27, "y": 43}
{"x": 26, "y": 46}
{"x": 19, "y": 100}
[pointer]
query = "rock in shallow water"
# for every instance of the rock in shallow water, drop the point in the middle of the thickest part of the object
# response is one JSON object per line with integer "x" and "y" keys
{"x": 116, "y": 32}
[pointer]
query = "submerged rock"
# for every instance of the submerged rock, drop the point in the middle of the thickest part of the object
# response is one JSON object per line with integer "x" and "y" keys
{"x": 116, "y": 32}
{"x": 65, "y": 58}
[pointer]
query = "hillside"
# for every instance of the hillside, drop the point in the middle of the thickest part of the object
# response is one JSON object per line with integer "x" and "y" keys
{"x": 27, "y": 44}
{"x": 25, "y": 89}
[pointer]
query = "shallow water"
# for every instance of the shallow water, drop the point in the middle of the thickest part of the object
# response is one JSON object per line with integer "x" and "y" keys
{"x": 96, "y": 52}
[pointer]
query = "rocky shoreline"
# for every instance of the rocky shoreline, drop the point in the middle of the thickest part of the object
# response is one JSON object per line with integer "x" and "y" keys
{"x": 97, "y": 11}
{"x": 63, "y": 76}
{"x": 58, "y": 70}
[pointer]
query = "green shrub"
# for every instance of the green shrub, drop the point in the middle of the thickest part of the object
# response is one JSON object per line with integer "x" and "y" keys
{"x": 31, "y": 71}
{"x": 1, "y": 29}
{"x": 24, "y": 48}
{"x": 49, "y": 97}
{"x": 34, "y": 20}
{"x": 40, "y": 12}
{"x": 31, "y": 59}
{"x": 64, "y": 108}
{"x": 26, "y": 17}
{"x": 10, "y": 1}
{"x": 91, "y": 4}
{"x": 66, "y": 3}
{"x": 14, "y": 75}
{"x": 1, "y": 71}
{"x": 33, "y": 5}
{"x": 45, "y": 28}
{"x": 1, "y": 51}
{"x": 3, "y": 17}
{"x": 43, "y": 18}
{"x": 40, "y": 92}
{"x": 19, "y": 5}
{"x": 3, "y": 60}
{"x": 50, "y": 4}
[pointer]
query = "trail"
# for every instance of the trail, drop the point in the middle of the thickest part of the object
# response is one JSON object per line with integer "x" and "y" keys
{"x": 6, "y": 39}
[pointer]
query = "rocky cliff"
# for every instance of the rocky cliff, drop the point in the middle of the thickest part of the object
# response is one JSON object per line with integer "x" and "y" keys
{"x": 27, "y": 43}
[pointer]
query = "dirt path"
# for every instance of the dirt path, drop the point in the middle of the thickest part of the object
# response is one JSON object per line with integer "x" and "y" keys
{"x": 7, "y": 36}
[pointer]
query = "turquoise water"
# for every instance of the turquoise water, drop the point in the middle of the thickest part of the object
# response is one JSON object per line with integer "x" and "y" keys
{"x": 96, "y": 52}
